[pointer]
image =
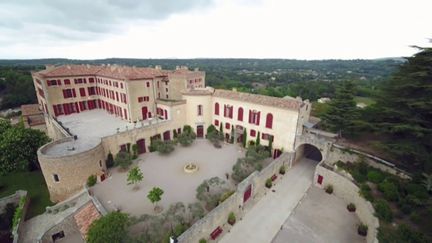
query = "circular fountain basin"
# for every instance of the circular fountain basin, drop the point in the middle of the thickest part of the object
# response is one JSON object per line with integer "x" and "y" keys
{"x": 190, "y": 168}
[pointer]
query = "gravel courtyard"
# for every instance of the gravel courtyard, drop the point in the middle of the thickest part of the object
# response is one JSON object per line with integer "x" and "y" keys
{"x": 320, "y": 217}
{"x": 166, "y": 172}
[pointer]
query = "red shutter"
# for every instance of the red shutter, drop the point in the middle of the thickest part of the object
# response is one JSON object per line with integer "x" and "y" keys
{"x": 73, "y": 93}
{"x": 224, "y": 110}
{"x": 250, "y": 116}
{"x": 240, "y": 114}
{"x": 166, "y": 115}
{"x": 269, "y": 120}
{"x": 258, "y": 119}
{"x": 216, "y": 108}
{"x": 64, "y": 94}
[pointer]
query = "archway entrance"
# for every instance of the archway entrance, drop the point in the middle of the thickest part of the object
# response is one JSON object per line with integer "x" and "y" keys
{"x": 307, "y": 152}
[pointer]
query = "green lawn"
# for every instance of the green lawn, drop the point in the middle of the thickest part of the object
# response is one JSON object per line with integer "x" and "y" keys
{"x": 366, "y": 100}
{"x": 34, "y": 183}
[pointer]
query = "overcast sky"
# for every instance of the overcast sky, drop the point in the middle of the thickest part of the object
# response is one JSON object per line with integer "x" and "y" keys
{"x": 301, "y": 29}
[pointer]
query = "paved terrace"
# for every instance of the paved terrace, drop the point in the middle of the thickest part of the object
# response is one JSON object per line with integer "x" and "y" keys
{"x": 90, "y": 127}
{"x": 166, "y": 172}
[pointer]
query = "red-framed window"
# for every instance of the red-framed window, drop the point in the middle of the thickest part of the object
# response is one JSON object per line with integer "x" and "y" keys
{"x": 91, "y": 80}
{"x": 148, "y": 84}
{"x": 79, "y": 81}
{"x": 269, "y": 120}
{"x": 254, "y": 117}
{"x": 117, "y": 97}
{"x": 38, "y": 81}
{"x": 66, "y": 82}
{"x": 266, "y": 136}
{"x": 69, "y": 93}
{"x": 200, "y": 110}
{"x": 240, "y": 114}
{"x": 227, "y": 125}
{"x": 41, "y": 93}
{"x": 252, "y": 133}
{"x": 82, "y": 92}
{"x": 228, "y": 111}
{"x": 216, "y": 109}
{"x": 91, "y": 90}
{"x": 216, "y": 122}
{"x": 121, "y": 86}
{"x": 52, "y": 82}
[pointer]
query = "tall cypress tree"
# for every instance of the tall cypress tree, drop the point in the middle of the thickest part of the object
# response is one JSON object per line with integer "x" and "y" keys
{"x": 403, "y": 111}
{"x": 342, "y": 110}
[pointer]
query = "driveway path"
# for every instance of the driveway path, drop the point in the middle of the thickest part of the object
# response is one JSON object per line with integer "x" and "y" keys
{"x": 265, "y": 219}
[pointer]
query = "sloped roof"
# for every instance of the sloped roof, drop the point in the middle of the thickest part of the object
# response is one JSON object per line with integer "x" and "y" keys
{"x": 284, "y": 103}
{"x": 112, "y": 71}
{"x": 30, "y": 109}
{"x": 85, "y": 217}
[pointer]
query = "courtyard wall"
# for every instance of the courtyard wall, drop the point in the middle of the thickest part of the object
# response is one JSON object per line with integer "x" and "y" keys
{"x": 235, "y": 203}
{"x": 348, "y": 191}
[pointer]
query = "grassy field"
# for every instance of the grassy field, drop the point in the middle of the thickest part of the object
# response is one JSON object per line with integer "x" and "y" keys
{"x": 34, "y": 183}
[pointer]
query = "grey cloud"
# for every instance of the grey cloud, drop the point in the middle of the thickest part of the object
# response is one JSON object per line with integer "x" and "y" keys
{"x": 87, "y": 17}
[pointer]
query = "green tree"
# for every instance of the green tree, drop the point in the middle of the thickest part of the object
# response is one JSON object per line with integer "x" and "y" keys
{"x": 123, "y": 159}
{"x": 155, "y": 195}
{"x": 110, "y": 228}
{"x": 18, "y": 147}
{"x": 342, "y": 111}
{"x": 403, "y": 112}
{"x": 134, "y": 176}
{"x": 244, "y": 141}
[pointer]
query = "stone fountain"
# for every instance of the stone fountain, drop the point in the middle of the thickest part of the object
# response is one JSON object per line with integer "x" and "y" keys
{"x": 190, "y": 168}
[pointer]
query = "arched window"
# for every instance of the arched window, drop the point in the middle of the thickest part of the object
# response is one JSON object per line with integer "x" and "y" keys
{"x": 269, "y": 120}
{"x": 216, "y": 111}
{"x": 240, "y": 114}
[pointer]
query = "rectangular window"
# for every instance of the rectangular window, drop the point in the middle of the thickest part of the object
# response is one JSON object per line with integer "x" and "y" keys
{"x": 121, "y": 86}
{"x": 91, "y": 90}
{"x": 252, "y": 133}
{"x": 200, "y": 110}
{"x": 91, "y": 80}
{"x": 148, "y": 84}
{"x": 66, "y": 82}
{"x": 254, "y": 117}
{"x": 227, "y": 125}
{"x": 117, "y": 97}
{"x": 41, "y": 93}
{"x": 67, "y": 93}
{"x": 82, "y": 92}
{"x": 216, "y": 122}
{"x": 78, "y": 81}
{"x": 56, "y": 178}
{"x": 51, "y": 82}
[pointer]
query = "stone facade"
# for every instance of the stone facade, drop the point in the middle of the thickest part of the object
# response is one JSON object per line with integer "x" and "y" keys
{"x": 235, "y": 203}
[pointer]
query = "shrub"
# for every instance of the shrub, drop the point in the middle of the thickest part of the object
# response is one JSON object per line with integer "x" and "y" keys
{"x": 123, "y": 159}
{"x": 351, "y": 207}
{"x": 202, "y": 240}
{"x": 329, "y": 189}
{"x": 186, "y": 138}
{"x": 365, "y": 191}
{"x": 187, "y": 129}
{"x": 362, "y": 229}
{"x": 358, "y": 177}
{"x": 109, "y": 228}
{"x": 375, "y": 176}
{"x": 282, "y": 170}
{"x": 18, "y": 212}
{"x": 211, "y": 129}
{"x": 164, "y": 147}
{"x": 226, "y": 195}
{"x": 110, "y": 160}
{"x": 269, "y": 183}
{"x": 390, "y": 190}
{"x": 91, "y": 180}
{"x": 134, "y": 151}
{"x": 382, "y": 210}
{"x": 231, "y": 218}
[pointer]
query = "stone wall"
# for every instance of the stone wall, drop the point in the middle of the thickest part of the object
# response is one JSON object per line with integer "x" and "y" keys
{"x": 218, "y": 217}
{"x": 348, "y": 191}
{"x": 338, "y": 152}
{"x": 17, "y": 231}
{"x": 72, "y": 170}
{"x": 54, "y": 130}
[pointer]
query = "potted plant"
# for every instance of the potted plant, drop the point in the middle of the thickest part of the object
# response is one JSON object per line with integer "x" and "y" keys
{"x": 282, "y": 170}
{"x": 269, "y": 183}
{"x": 329, "y": 189}
{"x": 351, "y": 207}
{"x": 231, "y": 218}
{"x": 362, "y": 229}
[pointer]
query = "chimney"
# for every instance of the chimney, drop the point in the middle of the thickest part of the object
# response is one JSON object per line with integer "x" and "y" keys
{"x": 158, "y": 67}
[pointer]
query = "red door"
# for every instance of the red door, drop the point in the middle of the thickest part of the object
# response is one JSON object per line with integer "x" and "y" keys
{"x": 144, "y": 112}
{"x": 141, "y": 146}
{"x": 247, "y": 194}
{"x": 320, "y": 179}
{"x": 200, "y": 131}
{"x": 166, "y": 136}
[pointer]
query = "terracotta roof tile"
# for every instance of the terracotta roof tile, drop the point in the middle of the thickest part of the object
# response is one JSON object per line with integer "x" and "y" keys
{"x": 284, "y": 103}
{"x": 85, "y": 217}
{"x": 112, "y": 71}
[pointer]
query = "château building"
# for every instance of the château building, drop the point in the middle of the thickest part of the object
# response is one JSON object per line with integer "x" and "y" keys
{"x": 91, "y": 111}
